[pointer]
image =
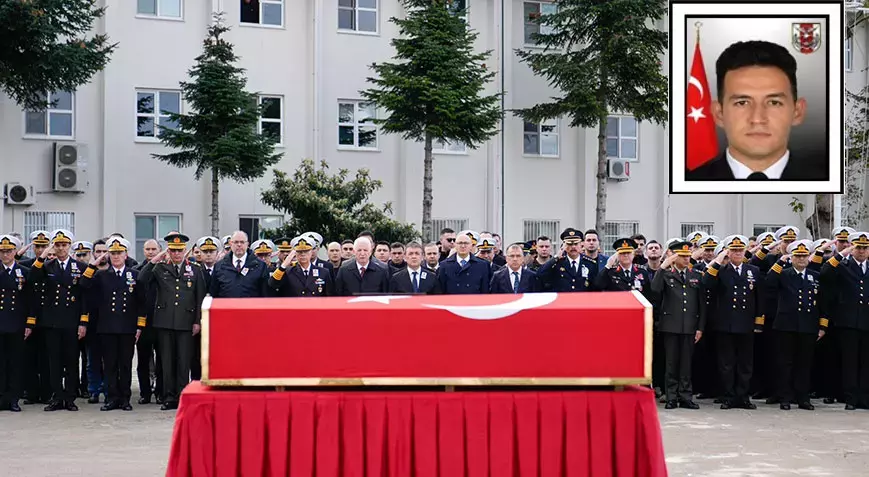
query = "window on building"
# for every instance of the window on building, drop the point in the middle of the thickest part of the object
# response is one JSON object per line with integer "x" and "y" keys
{"x": 614, "y": 230}
{"x": 155, "y": 227}
{"x": 262, "y": 12}
{"x": 256, "y": 225}
{"x": 533, "y": 12}
{"x": 47, "y": 221}
{"x": 159, "y": 8}
{"x": 152, "y": 111}
{"x": 449, "y": 147}
{"x": 271, "y": 121}
{"x": 849, "y": 53}
{"x": 705, "y": 227}
{"x": 538, "y": 228}
{"x": 621, "y": 137}
{"x": 456, "y": 6}
{"x": 357, "y": 15}
{"x": 541, "y": 139}
{"x": 356, "y": 129}
{"x": 761, "y": 228}
{"x": 56, "y": 121}
{"x": 439, "y": 224}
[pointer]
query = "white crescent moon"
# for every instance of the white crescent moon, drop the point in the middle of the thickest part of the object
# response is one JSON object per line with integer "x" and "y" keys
{"x": 502, "y": 310}
{"x": 695, "y": 82}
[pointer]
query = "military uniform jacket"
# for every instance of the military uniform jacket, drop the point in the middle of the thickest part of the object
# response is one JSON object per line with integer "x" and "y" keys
{"x": 178, "y": 295}
{"x": 120, "y": 301}
{"x": 683, "y": 302}
{"x": 708, "y": 294}
{"x": 294, "y": 283}
{"x": 739, "y": 304}
{"x": 17, "y": 309}
{"x": 62, "y": 302}
{"x": 851, "y": 292}
{"x": 558, "y": 276}
{"x": 455, "y": 279}
{"x": 619, "y": 279}
{"x": 251, "y": 281}
{"x": 800, "y": 301}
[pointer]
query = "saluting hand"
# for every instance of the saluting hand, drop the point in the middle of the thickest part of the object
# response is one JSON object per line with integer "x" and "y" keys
{"x": 722, "y": 256}
{"x": 668, "y": 261}
{"x": 847, "y": 251}
{"x": 288, "y": 261}
{"x": 23, "y": 250}
{"x": 697, "y": 253}
{"x": 610, "y": 263}
{"x": 96, "y": 261}
{"x": 159, "y": 257}
{"x": 826, "y": 246}
{"x": 786, "y": 258}
{"x": 48, "y": 250}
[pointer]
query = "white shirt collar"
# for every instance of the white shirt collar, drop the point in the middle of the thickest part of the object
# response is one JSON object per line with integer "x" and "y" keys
{"x": 459, "y": 259}
{"x": 741, "y": 171}
{"x": 9, "y": 267}
{"x": 511, "y": 271}
{"x": 360, "y": 267}
{"x": 118, "y": 270}
{"x": 63, "y": 262}
{"x": 417, "y": 270}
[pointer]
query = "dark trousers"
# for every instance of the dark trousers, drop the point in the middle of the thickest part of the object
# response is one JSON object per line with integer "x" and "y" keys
{"x": 827, "y": 367}
{"x": 196, "y": 361}
{"x": 795, "y": 354}
{"x": 62, "y": 347}
{"x": 83, "y": 346}
{"x": 704, "y": 372}
{"x": 764, "y": 379}
{"x": 679, "y": 350}
{"x": 735, "y": 362}
{"x": 11, "y": 358}
{"x": 855, "y": 365}
{"x": 118, "y": 359}
{"x": 36, "y": 382}
{"x": 176, "y": 349}
{"x": 147, "y": 351}
{"x": 95, "y": 373}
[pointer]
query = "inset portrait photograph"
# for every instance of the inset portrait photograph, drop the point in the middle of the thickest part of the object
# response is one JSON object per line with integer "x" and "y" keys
{"x": 756, "y": 98}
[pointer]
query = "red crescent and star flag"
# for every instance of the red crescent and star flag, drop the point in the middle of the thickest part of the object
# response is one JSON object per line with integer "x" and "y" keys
{"x": 700, "y": 137}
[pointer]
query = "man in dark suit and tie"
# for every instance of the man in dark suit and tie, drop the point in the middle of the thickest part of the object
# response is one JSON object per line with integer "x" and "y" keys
{"x": 514, "y": 277}
{"x": 757, "y": 106}
{"x": 414, "y": 278}
{"x": 462, "y": 273}
{"x": 363, "y": 276}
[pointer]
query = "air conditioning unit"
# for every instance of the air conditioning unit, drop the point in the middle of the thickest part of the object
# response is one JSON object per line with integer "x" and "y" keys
{"x": 68, "y": 168}
{"x": 618, "y": 169}
{"x": 19, "y": 194}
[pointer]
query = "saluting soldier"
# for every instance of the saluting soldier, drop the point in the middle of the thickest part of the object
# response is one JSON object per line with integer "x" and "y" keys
{"x": 800, "y": 321}
{"x": 180, "y": 289}
{"x": 316, "y": 241}
{"x": 705, "y": 368}
{"x": 39, "y": 241}
{"x": 296, "y": 276}
{"x": 569, "y": 271}
{"x": 462, "y": 272}
{"x": 704, "y": 252}
{"x": 82, "y": 250}
{"x": 285, "y": 246}
{"x": 682, "y": 321}
{"x": 738, "y": 317}
{"x": 37, "y": 388}
{"x": 63, "y": 317}
{"x": 263, "y": 249}
{"x": 121, "y": 303}
{"x": 17, "y": 317}
{"x": 851, "y": 282}
{"x": 620, "y": 272}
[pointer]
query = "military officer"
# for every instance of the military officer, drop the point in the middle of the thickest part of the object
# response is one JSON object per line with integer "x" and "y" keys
{"x": 705, "y": 377}
{"x": 827, "y": 366}
{"x": 17, "y": 317}
{"x": 147, "y": 352}
{"x": 36, "y": 386}
{"x": 704, "y": 252}
{"x": 462, "y": 272}
{"x": 695, "y": 237}
{"x": 63, "y": 317}
{"x": 180, "y": 289}
{"x": 799, "y": 322}
{"x": 486, "y": 251}
{"x": 317, "y": 241}
{"x": 284, "y": 246}
{"x": 297, "y": 276}
{"x": 620, "y": 272}
{"x": 841, "y": 237}
{"x": 82, "y": 250}
{"x": 682, "y": 321}
{"x": 569, "y": 271}
{"x": 121, "y": 303}
{"x": 738, "y": 316}
{"x": 263, "y": 249}
{"x": 39, "y": 241}
{"x": 208, "y": 246}
{"x": 850, "y": 279}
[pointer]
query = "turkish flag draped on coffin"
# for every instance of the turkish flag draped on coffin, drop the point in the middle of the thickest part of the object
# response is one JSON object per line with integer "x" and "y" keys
{"x": 702, "y": 142}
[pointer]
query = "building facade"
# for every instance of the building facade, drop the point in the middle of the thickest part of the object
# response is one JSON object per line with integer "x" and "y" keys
{"x": 309, "y": 60}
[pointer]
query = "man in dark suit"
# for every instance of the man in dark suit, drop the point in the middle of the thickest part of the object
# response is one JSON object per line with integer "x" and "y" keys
{"x": 207, "y": 260}
{"x": 514, "y": 277}
{"x": 240, "y": 274}
{"x": 757, "y": 106}
{"x": 462, "y": 273}
{"x": 17, "y": 317}
{"x": 738, "y": 316}
{"x": 362, "y": 276}
{"x": 297, "y": 276}
{"x": 414, "y": 278}
{"x": 148, "y": 355}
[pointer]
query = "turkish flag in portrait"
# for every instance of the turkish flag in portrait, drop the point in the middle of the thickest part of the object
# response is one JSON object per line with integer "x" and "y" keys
{"x": 702, "y": 142}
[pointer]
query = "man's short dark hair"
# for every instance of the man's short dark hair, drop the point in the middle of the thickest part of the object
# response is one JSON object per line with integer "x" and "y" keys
{"x": 411, "y": 245}
{"x": 756, "y": 53}
{"x": 638, "y": 237}
{"x": 396, "y": 245}
{"x": 347, "y": 242}
{"x": 543, "y": 237}
{"x": 382, "y": 242}
{"x": 101, "y": 241}
{"x": 753, "y": 237}
{"x": 650, "y": 242}
{"x": 116, "y": 234}
{"x": 366, "y": 233}
{"x": 447, "y": 230}
{"x": 592, "y": 231}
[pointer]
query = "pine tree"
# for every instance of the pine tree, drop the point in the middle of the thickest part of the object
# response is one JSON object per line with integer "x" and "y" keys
{"x": 44, "y": 47}
{"x": 601, "y": 57}
{"x": 220, "y": 134}
{"x": 433, "y": 91}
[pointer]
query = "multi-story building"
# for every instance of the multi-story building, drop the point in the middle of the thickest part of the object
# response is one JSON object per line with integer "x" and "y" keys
{"x": 309, "y": 60}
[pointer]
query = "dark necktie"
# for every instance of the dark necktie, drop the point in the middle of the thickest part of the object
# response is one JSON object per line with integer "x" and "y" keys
{"x": 463, "y": 263}
{"x": 119, "y": 273}
{"x": 515, "y": 282}
{"x": 415, "y": 283}
{"x": 238, "y": 266}
{"x": 208, "y": 271}
{"x": 362, "y": 272}
{"x": 306, "y": 272}
{"x": 682, "y": 275}
{"x": 573, "y": 266}
{"x": 757, "y": 176}
{"x": 9, "y": 271}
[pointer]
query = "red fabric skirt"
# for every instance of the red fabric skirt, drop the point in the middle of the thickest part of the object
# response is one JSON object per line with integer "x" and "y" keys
{"x": 422, "y": 434}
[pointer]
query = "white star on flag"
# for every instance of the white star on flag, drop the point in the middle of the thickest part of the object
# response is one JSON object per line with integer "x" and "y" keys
{"x": 696, "y": 114}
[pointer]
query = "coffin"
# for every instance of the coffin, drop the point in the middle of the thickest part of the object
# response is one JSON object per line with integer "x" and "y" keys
{"x": 568, "y": 339}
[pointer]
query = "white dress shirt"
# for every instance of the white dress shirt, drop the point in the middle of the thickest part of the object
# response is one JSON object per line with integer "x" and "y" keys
{"x": 741, "y": 171}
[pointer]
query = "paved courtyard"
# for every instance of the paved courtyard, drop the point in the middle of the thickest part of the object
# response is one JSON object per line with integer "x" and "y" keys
{"x": 708, "y": 442}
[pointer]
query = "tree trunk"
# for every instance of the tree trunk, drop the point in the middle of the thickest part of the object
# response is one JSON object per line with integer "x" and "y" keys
{"x": 600, "y": 205}
{"x": 215, "y": 203}
{"x": 820, "y": 223}
{"x": 426, "y": 189}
